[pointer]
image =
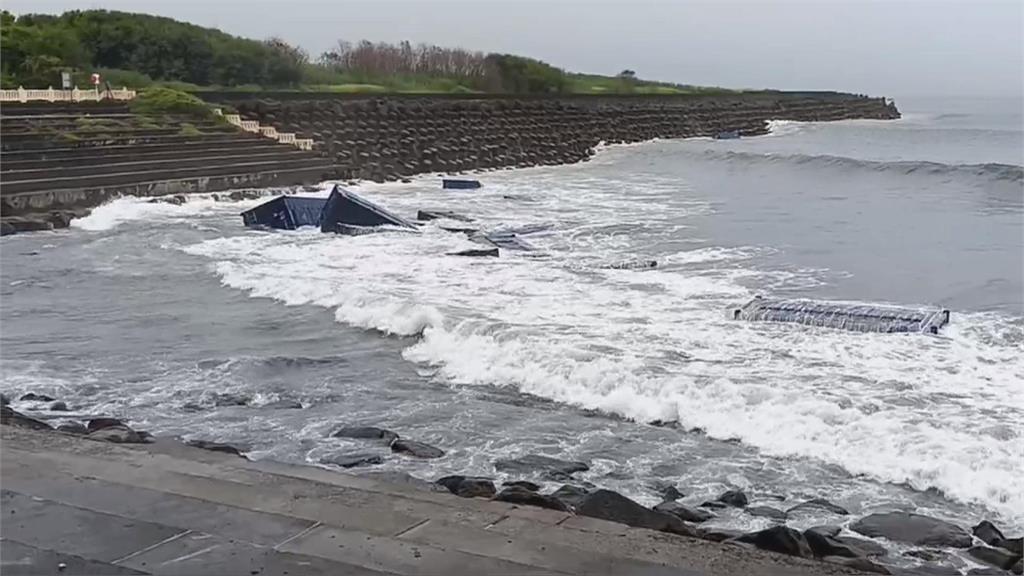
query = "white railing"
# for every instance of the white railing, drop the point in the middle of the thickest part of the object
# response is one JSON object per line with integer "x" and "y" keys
{"x": 268, "y": 131}
{"x": 75, "y": 95}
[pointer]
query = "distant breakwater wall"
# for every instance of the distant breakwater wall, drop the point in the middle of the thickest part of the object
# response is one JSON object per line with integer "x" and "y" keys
{"x": 383, "y": 138}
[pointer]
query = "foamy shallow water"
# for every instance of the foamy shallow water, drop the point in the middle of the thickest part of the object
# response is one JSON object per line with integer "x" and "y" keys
{"x": 156, "y": 305}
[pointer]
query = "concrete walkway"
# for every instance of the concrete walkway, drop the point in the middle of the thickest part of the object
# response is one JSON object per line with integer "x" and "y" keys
{"x": 166, "y": 508}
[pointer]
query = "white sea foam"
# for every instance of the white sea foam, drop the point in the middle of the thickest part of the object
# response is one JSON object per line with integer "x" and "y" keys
{"x": 131, "y": 209}
{"x": 655, "y": 344}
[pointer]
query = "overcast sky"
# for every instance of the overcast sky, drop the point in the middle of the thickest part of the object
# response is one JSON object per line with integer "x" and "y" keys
{"x": 877, "y": 47}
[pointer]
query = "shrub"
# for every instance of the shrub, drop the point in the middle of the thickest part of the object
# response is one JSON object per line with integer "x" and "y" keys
{"x": 159, "y": 100}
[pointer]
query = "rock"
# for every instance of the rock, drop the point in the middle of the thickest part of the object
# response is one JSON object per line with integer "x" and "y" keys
{"x": 101, "y": 423}
{"x": 192, "y": 407}
{"x": 684, "y": 512}
{"x": 366, "y": 432}
{"x": 912, "y": 529}
{"x": 927, "y": 554}
{"x": 120, "y": 435}
{"x": 987, "y": 533}
{"x": 32, "y": 396}
{"x": 73, "y": 428}
{"x": 781, "y": 539}
{"x": 825, "y": 530}
{"x": 468, "y": 486}
{"x": 715, "y": 505}
{"x": 215, "y": 447}
{"x": 823, "y": 545}
{"x": 857, "y": 563}
{"x": 667, "y": 491}
{"x": 283, "y": 405}
{"x": 1017, "y": 568}
{"x": 861, "y": 546}
{"x": 998, "y": 557}
{"x": 571, "y": 495}
{"x": 767, "y": 512}
{"x": 485, "y": 252}
{"x": 352, "y": 460}
{"x": 734, "y": 498}
{"x": 58, "y": 407}
{"x": 12, "y": 417}
{"x": 820, "y": 504}
{"x": 545, "y": 465}
{"x": 525, "y": 484}
{"x": 520, "y": 495}
{"x": 417, "y": 449}
{"x": 614, "y": 507}
{"x": 4, "y": 400}
{"x": 986, "y": 572}
{"x": 230, "y": 400}
{"x": 1015, "y": 545}
{"x": 718, "y": 534}
{"x": 932, "y": 570}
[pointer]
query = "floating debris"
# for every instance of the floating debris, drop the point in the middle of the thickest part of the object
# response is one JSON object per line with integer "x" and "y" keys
{"x": 460, "y": 184}
{"x": 633, "y": 265}
{"x": 727, "y": 135}
{"x": 855, "y": 317}
{"x": 426, "y": 215}
{"x": 345, "y": 210}
{"x": 489, "y": 252}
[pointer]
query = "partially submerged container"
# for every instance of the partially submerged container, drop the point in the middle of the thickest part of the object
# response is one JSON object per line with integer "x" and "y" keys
{"x": 460, "y": 184}
{"x": 727, "y": 135}
{"x": 286, "y": 213}
{"x": 845, "y": 316}
{"x": 345, "y": 210}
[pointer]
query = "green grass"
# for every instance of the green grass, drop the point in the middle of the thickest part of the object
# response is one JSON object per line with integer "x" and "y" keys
{"x": 160, "y": 100}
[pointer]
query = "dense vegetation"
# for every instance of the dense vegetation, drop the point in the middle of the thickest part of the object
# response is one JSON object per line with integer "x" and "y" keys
{"x": 138, "y": 50}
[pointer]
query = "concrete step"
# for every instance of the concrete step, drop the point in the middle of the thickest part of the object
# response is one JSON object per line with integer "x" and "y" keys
{"x": 96, "y": 144}
{"x": 11, "y": 140}
{"x": 140, "y": 154}
{"x": 67, "y": 108}
{"x": 14, "y": 186}
{"x": 241, "y": 139}
{"x": 167, "y": 508}
{"x": 104, "y": 164}
{"x": 112, "y": 140}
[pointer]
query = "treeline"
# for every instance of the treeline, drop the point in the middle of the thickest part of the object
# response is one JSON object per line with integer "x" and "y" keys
{"x": 35, "y": 49}
{"x": 138, "y": 49}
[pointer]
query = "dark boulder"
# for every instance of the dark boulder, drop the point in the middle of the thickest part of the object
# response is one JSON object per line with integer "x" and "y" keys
{"x": 283, "y": 405}
{"x": 58, "y": 406}
{"x": 571, "y": 495}
{"x": 684, "y": 512}
{"x": 417, "y": 449}
{"x": 767, "y": 512}
{"x": 215, "y": 447}
{"x": 823, "y": 545}
{"x": 819, "y": 504}
{"x": 525, "y": 484}
{"x": 714, "y": 505}
{"x": 352, "y": 460}
{"x": 781, "y": 539}
{"x": 73, "y": 428}
{"x": 998, "y": 557}
{"x": 912, "y": 529}
{"x": 1017, "y": 568}
{"x": 33, "y": 397}
{"x": 734, "y": 498}
{"x": 672, "y": 493}
{"x": 231, "y": 400}
{"x": 857, "y": 563}
{"x": 545, "y": 465}
{"x": 986, "y": 572}
{"x": 468, "y": 486}
{"x": 520, "y": 495}
{"x": 101, "y": 423}
{"x": 4, "y": 400}
{"x": 120, "y": 435}
{"x": 367, "y": 433}
{"x": 718, "y": 534}
{"x": 485, "y": 252}
{"x": 614, "y": 507}
{"x": 825, "y": 530}
{"x": 1015, "y": 545}
{"x": 987, "y": 533}
{"x": 12, "y": 417}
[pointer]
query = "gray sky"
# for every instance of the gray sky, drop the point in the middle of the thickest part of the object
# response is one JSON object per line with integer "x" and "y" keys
{"x": 878, "y": 47}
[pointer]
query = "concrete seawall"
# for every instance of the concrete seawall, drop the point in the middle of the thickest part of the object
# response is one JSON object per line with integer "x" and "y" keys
{"x": 388, "y": 138}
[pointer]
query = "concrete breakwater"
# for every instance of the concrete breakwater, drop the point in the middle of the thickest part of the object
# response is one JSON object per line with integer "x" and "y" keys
{"x": 389, "y": 138}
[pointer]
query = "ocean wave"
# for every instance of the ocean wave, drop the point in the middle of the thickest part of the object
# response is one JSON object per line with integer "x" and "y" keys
{"x": 991, "y": 170}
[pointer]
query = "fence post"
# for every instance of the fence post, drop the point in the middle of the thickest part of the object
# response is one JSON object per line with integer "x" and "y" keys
{"x": 50, "y": 95}
{"x": 22, "y": 94}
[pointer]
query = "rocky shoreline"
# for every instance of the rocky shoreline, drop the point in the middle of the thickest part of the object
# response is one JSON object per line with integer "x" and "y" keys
{"x": 922, "y": 538}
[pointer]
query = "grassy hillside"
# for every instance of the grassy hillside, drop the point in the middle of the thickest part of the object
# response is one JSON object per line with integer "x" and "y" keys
{"x": 140, "y": 50}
